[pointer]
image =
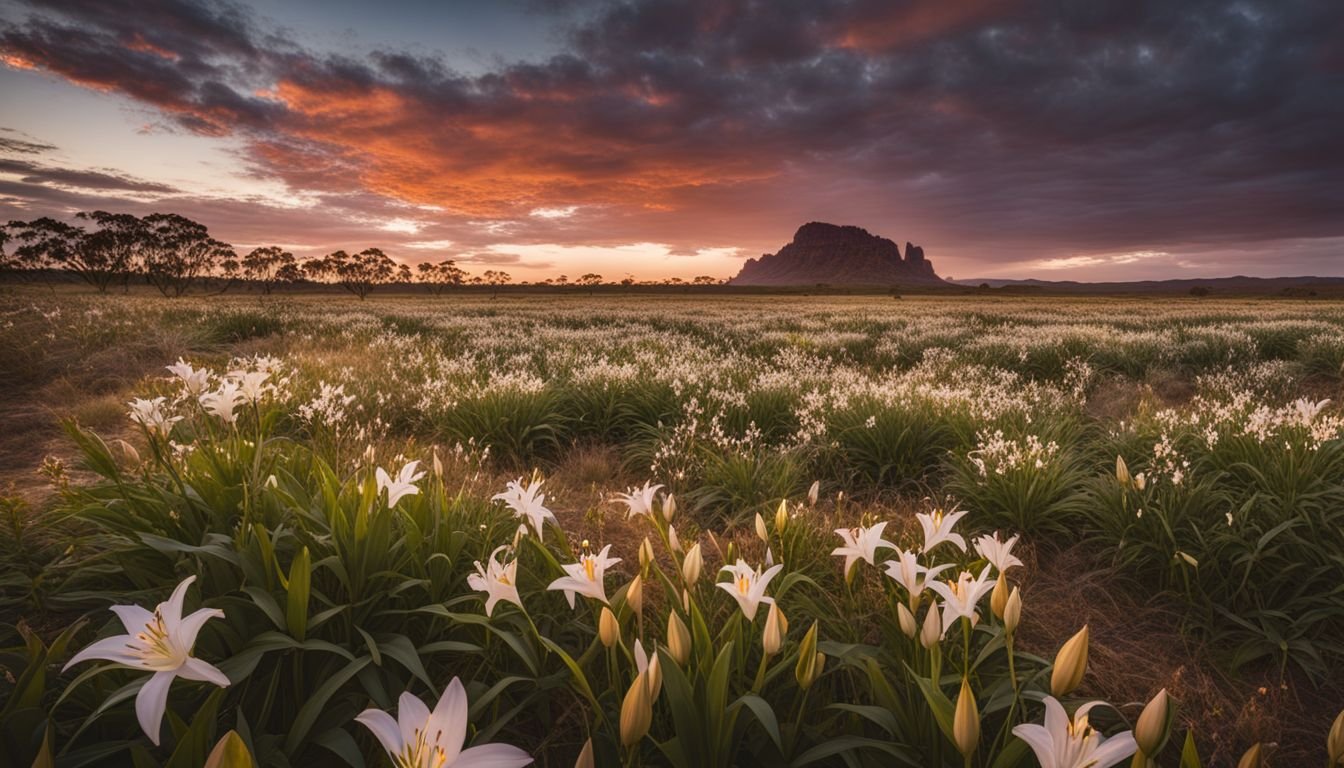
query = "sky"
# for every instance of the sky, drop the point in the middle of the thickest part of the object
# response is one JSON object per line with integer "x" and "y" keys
{"x": 1058, "y": 139}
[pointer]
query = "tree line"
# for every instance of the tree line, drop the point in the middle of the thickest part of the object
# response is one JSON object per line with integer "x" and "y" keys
{"x": 173, "y": 253}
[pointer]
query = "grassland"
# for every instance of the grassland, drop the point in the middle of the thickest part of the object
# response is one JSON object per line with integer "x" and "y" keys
{"x": 1174, "y": 467}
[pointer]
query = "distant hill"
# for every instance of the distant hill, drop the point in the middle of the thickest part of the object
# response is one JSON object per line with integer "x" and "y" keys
{"x": 828, "y": 254}
{"x": 1238, "y": 284}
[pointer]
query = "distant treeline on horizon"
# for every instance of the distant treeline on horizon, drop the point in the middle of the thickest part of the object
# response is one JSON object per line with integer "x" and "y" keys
{"x": 173, "y": 253}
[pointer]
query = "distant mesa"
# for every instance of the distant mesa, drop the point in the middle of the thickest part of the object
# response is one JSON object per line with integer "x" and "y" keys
{"x": 828, "y": 254}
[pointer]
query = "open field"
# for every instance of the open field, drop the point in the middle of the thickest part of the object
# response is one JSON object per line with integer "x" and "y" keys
{"x": 1208, "y": 561}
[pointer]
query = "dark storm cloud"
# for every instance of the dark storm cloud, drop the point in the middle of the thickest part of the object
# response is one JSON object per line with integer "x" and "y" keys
{"x": 35, "y": 173}
{"x": 1000, "y": 127}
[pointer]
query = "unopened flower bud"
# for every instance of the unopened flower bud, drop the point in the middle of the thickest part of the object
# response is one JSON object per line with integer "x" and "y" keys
{"x": 810, "y": 661}
{"x": 608, "y": 629}
{"x": 1070, "y": 664}
{"x": 1334, "y": 743}
{"x": 1122, "y": 471}
{"x": 691, "y": 565}
{"x": 761, "y": 532}
{"x": 1012, "y": 611}
{"x": 782, "y": 515}
{"x": 776, "y": 627}
{"x": 1154, "y": 724}
{"x": 813, "y": 492}
{"x": 645, "y": 553}
{"x": 907, "y": 621}
{"x": 966, "y": 721}
{"x": 932, "y": 631}
{"x": 636, "y": 711}
{"x": 634, "y": 594}
{"x": 669, "y": 507}
{"x": 673, "y": 542}
{"x": 998, "y": 599}
{"x": 678, "y": 638}
{"x": 586, "y": 756}
{"x": 1252, "y": 757}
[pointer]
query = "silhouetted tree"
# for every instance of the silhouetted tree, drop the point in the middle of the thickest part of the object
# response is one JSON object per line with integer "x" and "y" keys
{"x": 440, "y": 276}
{"x": 495, "y": 279}
{"x": 269, "y": 266}
{"x": 358, "y": 274}
{"x": 46, "y": 243}
{"x": 705, "y": 280}
{"x": 176, "y": 251}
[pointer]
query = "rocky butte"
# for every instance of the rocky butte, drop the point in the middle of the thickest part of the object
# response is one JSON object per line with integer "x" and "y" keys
{"x": 829, "y": 254}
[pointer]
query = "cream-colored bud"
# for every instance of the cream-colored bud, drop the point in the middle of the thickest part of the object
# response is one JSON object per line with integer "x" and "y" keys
{"x": 634, "y": 594}
{"x": 669, "y": 507}
{"x": 1070, "y": 664}
{"x": 776, "y": 628}
{"x": 673, "y": 542}
{"x": 608, "y": 629}
{"x": 813, "y": 492}
{"x": 678, "y": 638}
{"x": 1140, "y": 481}
{"x": 932, "y": 631}
{"x": 998, "y": 599}
{"x": 654, "y": 676}
{"x": 782, "y": 516}
{"x": 1252, "y": 757}
{"x": 645, "y": 553}
{"x": 586, "y": 756}
{"x": 761, "y": 532}
{"x": 1334, "y": 743}
{"x": 132, "y": 455}
{"x": 966, "y": 721}
{"x": 437, "y": 463}
{"x": 691, "y": 565}
{"x": 1012, "y": 611}
{"x": 1151, "y": 731}
{"x": 907, "y": 621}
{"x": 1122, "y": 471}
{"x": 636, "y": 711}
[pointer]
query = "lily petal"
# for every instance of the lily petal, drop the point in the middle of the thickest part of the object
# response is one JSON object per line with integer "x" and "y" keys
{"x": 108, "y": 649}
{"x": 172, "y": 610}
{"x": 412, "y": 715}
{"x": 133, "y": 618}
{"x": 203, "y": 671}
{"x": 492, "y": 756}
{"x": 151, "y": 702}
{"x": 448, "y": 724}
{"x": 384, "y": 728}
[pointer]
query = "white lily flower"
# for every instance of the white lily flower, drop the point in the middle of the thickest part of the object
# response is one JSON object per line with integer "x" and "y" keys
{"x": 527, "y": 502}
{"x": 639, "y": 501}
{"x": 861, "y": 544}
{"x": 253, "y": 386}
{"x": 223, "y": 401}
{"x": 1065, "y": 743}
{"x": 149, "y": 414}
{"x": 938, "y": 529}
{"x": 907, "y": 572}
{"x": 418, "y": 738}
{"x": 961, "y": 597}
{"x": 158, "y": 642}
{"x": 497, "y": 579}
{"x": 748, "y": 586}
{"x": 998, "y": 553}
{"x": 586, "y": 576}
{"x": 403, "y": 485}
{"x": 194, "y": 380}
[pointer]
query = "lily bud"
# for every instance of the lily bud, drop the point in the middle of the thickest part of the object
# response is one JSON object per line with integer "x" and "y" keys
{"x": 1012, "y": 612}
{"x": 813, "y": 492}
{"x": 1070, "y": 664}
{"x": 776, "y": 627}
{"x": 691, "y": 565}
{"x": 761, "y": 533}
{"x": 132, "y": 455}
{"x": 932, "y": 631}
{"x": 672, "y": 541}
{"x": 645, "y": 553}
{"x": 636, "y": 711}
{"x": 608, "y": 629}
{"x": 437, "y": 463}
{"x": 966, "y": 721}
{"x": 1154, "y": 724}
{"x": 907, "y": 621}
{"x": 810, "y": 661}
{"x": 1334, "y": 743}
{"x": 669, "y": 507}
{"x": 1122, "y": 471}
{"x": 1140, "y": 481}
{"x": 678, "y": 638}
{"x": 1252, "y": 757}
{"x": 654, "y": 675}
{"x": 782, "y": 515}
{"x": 586, "y": 756}
{"x": 634, "y": 594}
{"x": 998, "y": 599}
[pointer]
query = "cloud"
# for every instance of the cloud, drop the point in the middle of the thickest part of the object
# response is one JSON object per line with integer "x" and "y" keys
{"x": 992, "y": 131}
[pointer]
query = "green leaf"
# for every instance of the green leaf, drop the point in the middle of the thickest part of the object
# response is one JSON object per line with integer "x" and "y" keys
{"x": 308, "y": 713}
{"x": 764, "y": 715}
{"x": 938, "y": 702}
{"x": 300, "y": 583}
{"x": 1190, "y": 753}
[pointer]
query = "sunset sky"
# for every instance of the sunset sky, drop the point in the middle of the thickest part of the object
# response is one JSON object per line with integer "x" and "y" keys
{"x": 1061, "y": 139}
